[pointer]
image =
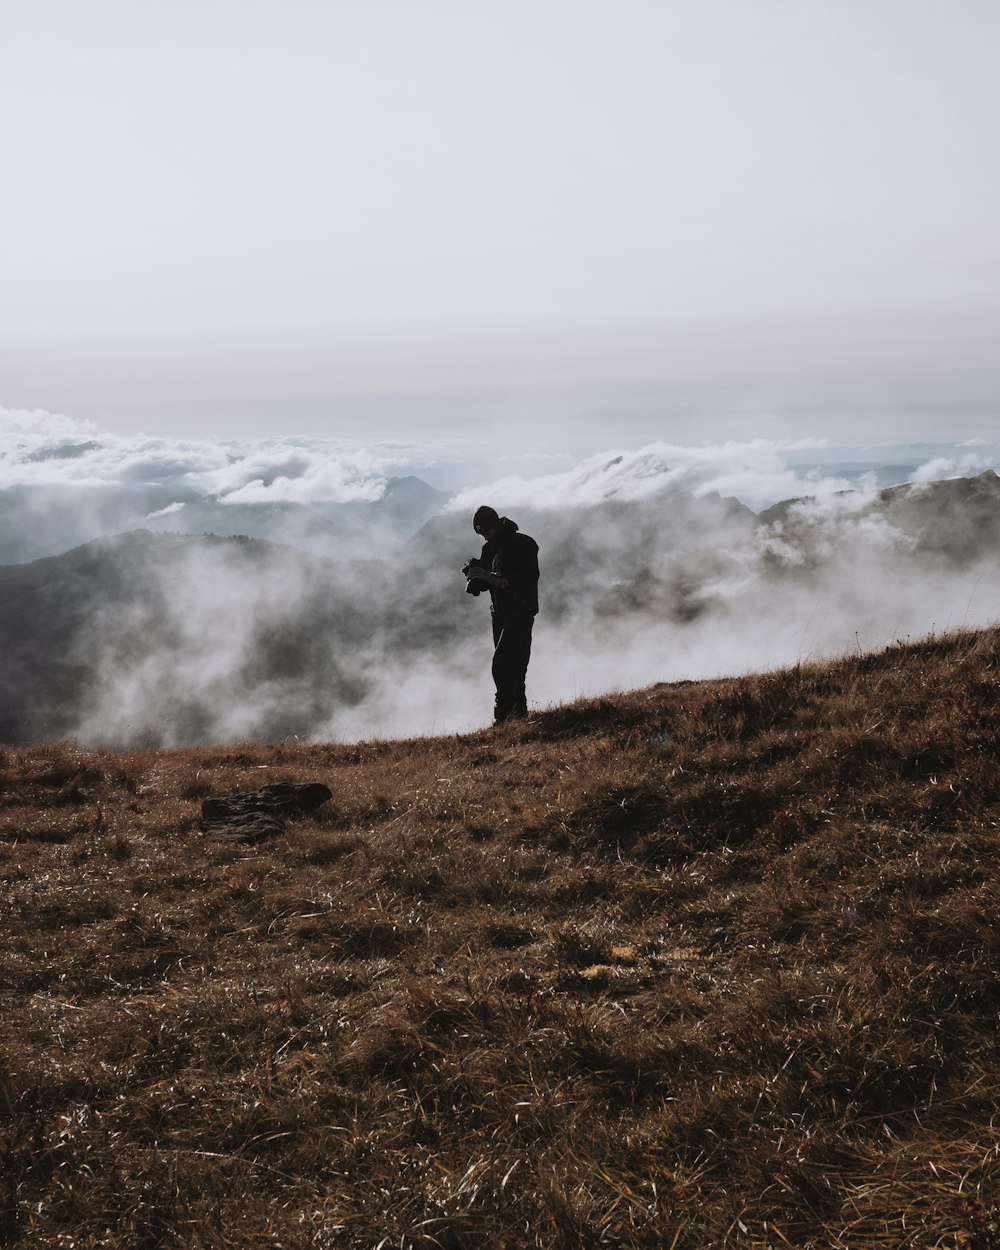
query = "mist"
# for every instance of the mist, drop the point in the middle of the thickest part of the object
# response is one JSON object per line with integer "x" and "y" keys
{"x": 173, "y": 639}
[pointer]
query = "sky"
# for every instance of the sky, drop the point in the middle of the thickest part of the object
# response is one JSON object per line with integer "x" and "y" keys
{"x": 559, "y": 225}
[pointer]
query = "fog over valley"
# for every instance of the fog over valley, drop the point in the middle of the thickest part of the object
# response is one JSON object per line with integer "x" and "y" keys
{"x": 168, "y": 592}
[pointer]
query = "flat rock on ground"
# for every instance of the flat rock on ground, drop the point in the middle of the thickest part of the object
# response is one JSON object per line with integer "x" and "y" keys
{"x": 260, "y": 813}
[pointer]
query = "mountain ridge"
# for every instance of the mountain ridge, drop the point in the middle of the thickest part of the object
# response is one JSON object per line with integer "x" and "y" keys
{"x": 985, "y": 483}
{"x": 41, "y": 521}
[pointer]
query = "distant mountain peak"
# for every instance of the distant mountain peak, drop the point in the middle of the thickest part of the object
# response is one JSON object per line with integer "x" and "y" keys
{"x": 412, "y": 489}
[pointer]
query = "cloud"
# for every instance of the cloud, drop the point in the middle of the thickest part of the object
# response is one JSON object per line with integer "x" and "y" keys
{"x": 951, "y": 466}
{"x": 45, "y": 449}
{"x": 755, "y": 472}
{"x": 48, "y": 449}
{"x": 31, "y": 428}
{"x": 64, "y": 481}
{"x": 303, "y": 474}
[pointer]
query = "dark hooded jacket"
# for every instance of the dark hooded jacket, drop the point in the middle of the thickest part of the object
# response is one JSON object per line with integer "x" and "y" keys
{"x": 515, "y": 557}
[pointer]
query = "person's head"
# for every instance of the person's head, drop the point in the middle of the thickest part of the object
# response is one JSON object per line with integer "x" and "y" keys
{"x": 486, "y": 522}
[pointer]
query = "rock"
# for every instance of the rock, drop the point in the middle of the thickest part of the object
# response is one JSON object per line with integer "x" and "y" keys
{"x": 260, "y": 813}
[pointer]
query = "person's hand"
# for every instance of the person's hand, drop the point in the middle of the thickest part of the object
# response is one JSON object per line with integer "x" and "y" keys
{"x": 480, "y": 573}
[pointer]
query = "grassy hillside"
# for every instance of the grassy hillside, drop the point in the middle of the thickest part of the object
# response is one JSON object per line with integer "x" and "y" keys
{"x": 705, "y": 965}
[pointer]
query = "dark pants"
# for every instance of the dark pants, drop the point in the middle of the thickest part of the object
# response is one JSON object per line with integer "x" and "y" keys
{"x": 512, "y": 650}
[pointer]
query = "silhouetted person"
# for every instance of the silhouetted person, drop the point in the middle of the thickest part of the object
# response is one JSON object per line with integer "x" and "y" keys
{"x": 508, "y": 568}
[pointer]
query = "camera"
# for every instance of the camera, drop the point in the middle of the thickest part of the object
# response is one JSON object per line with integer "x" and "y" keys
{"x": 473, "y": 586}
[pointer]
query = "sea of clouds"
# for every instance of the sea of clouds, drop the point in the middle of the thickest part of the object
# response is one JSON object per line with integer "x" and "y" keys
{"x": 46, "y": 452}
{"x": 42, "y": 449}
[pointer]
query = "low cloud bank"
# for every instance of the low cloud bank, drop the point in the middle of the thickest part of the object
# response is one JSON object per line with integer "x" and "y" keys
{"x": 758, "y": 473}
{"x": 46, "y": 449}
{"x": 64, "y": 482}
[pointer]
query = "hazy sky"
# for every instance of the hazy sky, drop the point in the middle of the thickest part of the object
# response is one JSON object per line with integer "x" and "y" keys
{"x": 239, "y": 217}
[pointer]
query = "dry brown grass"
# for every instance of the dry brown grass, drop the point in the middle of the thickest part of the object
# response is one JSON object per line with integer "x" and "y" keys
{"x": 705, "y": 965}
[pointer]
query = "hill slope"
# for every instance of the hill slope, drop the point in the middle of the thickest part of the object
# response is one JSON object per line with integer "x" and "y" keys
{"x": 710, "y": 964}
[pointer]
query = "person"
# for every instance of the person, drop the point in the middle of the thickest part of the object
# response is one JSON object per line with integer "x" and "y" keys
{"x": 508, "y": 568}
